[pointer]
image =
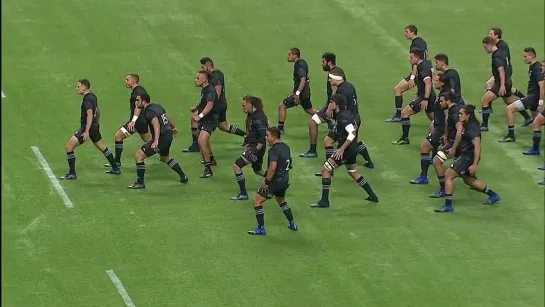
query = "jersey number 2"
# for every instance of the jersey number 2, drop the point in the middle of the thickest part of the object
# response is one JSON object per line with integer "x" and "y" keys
{"x": 164, "y": 118}
{"x": 288, "y": 163}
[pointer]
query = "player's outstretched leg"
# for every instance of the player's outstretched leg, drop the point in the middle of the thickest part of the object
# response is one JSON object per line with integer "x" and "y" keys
{"x": 486, "y": 104}
{"x": 406, "y": 114}
{"x": 327, "y": 169}
{"x": 194, "y": 147}
{"x": 480, "y": 186}
{"x": 450, "y": 175}
{"x": 329, "y": 151}
{"x": 73, "y": 142}
{"x": 364, "y": 152}
{"x": 204, "y": 144}
{"x": 536, "y": 127}
{"x": 286, "y": 209}
{"x": 139, "y": 158}
{"x": 401, "y": 87}
{"x": 114, "y": 170}
{"x": 175, "y": 166}
{"x": 240, "y": 162}
{"x": 440, "y": 171}
{"x": 425, "y": 160}
{"x": 259, "y": 200}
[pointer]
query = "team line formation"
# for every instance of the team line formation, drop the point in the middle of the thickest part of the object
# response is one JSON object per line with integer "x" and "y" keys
{"x": 455, "y": 132}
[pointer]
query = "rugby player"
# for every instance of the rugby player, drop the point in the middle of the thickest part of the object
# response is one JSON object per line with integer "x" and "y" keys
{"x": 411, "y": 33}
{"x": 276, "y": 183}
{"x": 451, "y": 77}
{"x": 136, "y": 123}
{"x": 301, "y": 88}
{"x": 329, "y": 61}
{"x": 424, "y": 94}
{"x": 534, "y": 97}
{"x": 162, "y": 132}
{"x": 344, "y": 132}
{"x": 89, "y": 129}
{"x": 207, "y": 118}
{"x": 254, "y": 150}
{"x": 467, "y": 157}
{"x": 536, "y": 127}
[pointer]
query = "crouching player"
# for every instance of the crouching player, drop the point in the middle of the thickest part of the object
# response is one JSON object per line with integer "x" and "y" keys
{"x": 466, "y": 161}
{"x": 254, "y": 150}
{"x": 162, "y": 132}
{"x": 276, "y": 183}
{"x": 344, "y": 132}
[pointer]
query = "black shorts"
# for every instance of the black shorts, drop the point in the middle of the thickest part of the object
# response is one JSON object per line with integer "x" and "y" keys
{"x": 246, "y": 156}
{"x": 305, "y": 102}
{"x": 461, "y": 165}
{"x": 94, "y": 134}
{"x": 415, "y": 104}
{"x": 407, "y": 78}
{"x": 222, "y": 112}
{"x": 542, "y": 112}
{"x": 435, "y": 138}
{"x": 140, "y": 126}
{"x": 275, "y": 190}
{"x": 163, "y": 147}
{"x": 209, "y": 123}
{"x": 496, "y": 88}
{"x": 350, "y": 154}
{"x": 530, "y": 102}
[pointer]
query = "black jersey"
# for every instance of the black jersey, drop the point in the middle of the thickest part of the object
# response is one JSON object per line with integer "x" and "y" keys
{"x": 219, "y": 79}
{"x": 424, "y": 71}
{"x": 452, "y": 119}
{"x": 256, "y": 128}
{"x": 208, "y": 93}
{"x": 281, "y": 153}
{"x": 453, "y": 83}
{"x": 136, "y": 91}
{"x": 156, "y": 111}
{"x": 349, "y": 92}
{"x": 438, "y": 117}
{"x": 300, "y": 70}
{"x": 500, "y": 58}
{"x": 344, "y": 120}
{"x": 328, "y": 86}
{"x": 89, "y": 102}
{"x": 503, "y": 46}
{"x": 420, "y": 44}
{"x": 471, "y": 131}
{"x": 535, "y": 75}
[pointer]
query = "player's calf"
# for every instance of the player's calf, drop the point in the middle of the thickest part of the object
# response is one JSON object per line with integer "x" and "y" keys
{"x": 139, "y": 158}
{"x": 286, "y": 209}
{"x": 399, "y": 89}
{"x": 175, "y": 166}
{"x": 486, "y": 103}
{"x": 480, "y": 186}
{"x": 425, "y": 160}
{"x": 313, "y": 123}
{"x": 364, "y": 152}
{"x": 406, "y": 114}
{"x": 70, "y": 147}
{"x": 538, "y": 122}
{"x": 194, "y": 147}
{"x": 241, "y": 180}
{"x": 510, "y": 114}
{"x": 362, "y": 182}
{"x": 260, "y": 230}
{"x": 115, "y": 170}
{"x": 204, "y": 144}
{"x": 282, "y": 114}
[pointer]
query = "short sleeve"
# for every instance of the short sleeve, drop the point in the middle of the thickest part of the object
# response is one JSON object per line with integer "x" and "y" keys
{"x": 150, "y": 115}
{"x": 301, "y": 72}
{"x": 498, "y": 62}
{"x": 88, "y": 103}
{"x": 273, "y": 155}
{"x": 210, "y": 96}
{"x": 538, "y": 72}
{"x": 424, "y": 72}
{"x": 215, "y": 80}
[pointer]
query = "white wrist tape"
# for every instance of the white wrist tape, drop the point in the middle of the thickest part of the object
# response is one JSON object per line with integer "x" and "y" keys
{"x": 297, "y": 93}
{"x": 134, "y": 118}
{"x": 412, "y": 77}
{"x": 201, "y": 115}
{"x": 541, "y": 102}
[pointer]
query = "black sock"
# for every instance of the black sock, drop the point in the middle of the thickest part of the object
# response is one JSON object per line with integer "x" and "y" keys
{"x": 441, "y": 182}
{"x": 175, "y": 166}
{"x": 448, "y": 199}
{"x": 486, "y": 115}
{"x": 365, "y": 185}
{"x": 329, "y": 151}
{"x": 326, "y": 185}
{"x": 536, "y": 139}
{"x": 260, "y": 216}
{"x": 312, "y": 148}
{"x": 519, "y": 94}
{"x": 194, "y": 135}
{"x": 405, "y": 127}
{"x": 487, "y": 191}
{"x": 280, "y": 126}
{"x": 71, "y": 156}
{"x": 234, "y": 130}
{"x": 110, "y": 156}
{"x": 287, "y": 211}
{"x": 525, "y": 114}
{"x": 362, "y": 150}
{"x": 425, "y": 160}
{"x": 207, "y": 166}
{"x": 511, "y": 131}
{"x": 118, "y": 151}
{"x": 399, "y": 105}
{"x": 140, "y": 172}
{"x": 212, "y": 157}
{"x": 241, "y": 180}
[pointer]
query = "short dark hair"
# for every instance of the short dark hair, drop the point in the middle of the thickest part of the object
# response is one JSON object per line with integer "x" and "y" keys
{"x": 275, "y": 132}
{"x": 295, "y": 51}
{"x": 448, "y": 96}
{"x": 330, "y": 57}
{"x": 339, "y": 99}
{"x": 489, "y": 41}
{"x": 207, "y": 60}
{"x": 145, "y": 97}
{"x": 442, "y": 57}
{"x": 442, "y": 77}
{"x": 418, "y": 53}
{"x": 135, "y": 77}
{"x": 530, "y": 50}
{"x": 412, "y": 28}
{"x": 497, "y": 31}
{"x": 85, "y": 83}
{"x": 337, "y": 72}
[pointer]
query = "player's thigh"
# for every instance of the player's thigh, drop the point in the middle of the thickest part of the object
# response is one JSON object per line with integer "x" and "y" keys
{"x": 289, "y": 102}
{"x": 429, "y": 107}
{"x": 141, "y": 126}
{"x": 279, "y": 190}
{"x": 164, "y": 146}
{"x": 265, "y": 194}
{"x": 222, "y": 114}
{"x": 207, "y": 128}
{"x": 79, "y": 136}
{"x": 530, "y": 102}
{"x": 403, "y": 85}
{"x": 306, "y": 103}
{"x": 94, "y": 134}
{"x": 461, "y": 165}
{"x": 257, "y": 166}
{"x": 242, "y": 161}
{"x": 320, "y": 116}
{"x": 147, "y": 150}
{"x": 414, "y": 106}
{"x": 74, "y": 141}
{"x": 490, "y": 95}
{"x": 433, "y": 140}
{"x": 125, "y": 130}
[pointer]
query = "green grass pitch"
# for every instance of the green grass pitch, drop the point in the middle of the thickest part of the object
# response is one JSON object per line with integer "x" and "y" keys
{"x": 174, "y": 245}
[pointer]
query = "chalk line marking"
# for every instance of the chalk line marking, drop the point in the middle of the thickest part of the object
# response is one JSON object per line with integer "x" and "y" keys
{"x": 3, "y": 95}
{"x": 120, "y": 289}
{"x": 56, "y": 184}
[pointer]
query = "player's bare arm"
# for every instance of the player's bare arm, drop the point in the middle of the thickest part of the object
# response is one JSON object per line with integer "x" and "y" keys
{"x": 351, "y": 136}
{"x": 156, "y": 132}
{"x": 137, "y": 112}
{"x": 541, "y": 92}
{"x": 88, "y": 124}
{"x": 501, "y": 71}
{"x": 476, "y": 154}
{"x": 219, "y": 90}
{"x": 457, "y": 139}
{"x": 427, "y": 92}
{"x": 302, "y": 83}
{"x": 269, "y": 175}
{"x": 207, "y": 109}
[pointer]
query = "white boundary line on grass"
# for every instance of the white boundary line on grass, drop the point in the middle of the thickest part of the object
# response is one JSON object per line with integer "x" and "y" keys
{"x": 120, "y": 289}
{"x": 3, "y": 95}
{"x": 56, "y": 184}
